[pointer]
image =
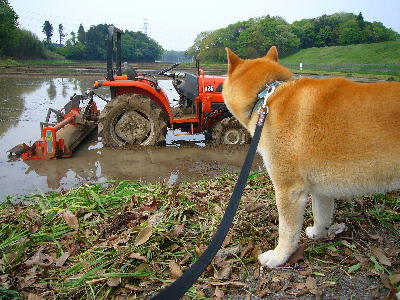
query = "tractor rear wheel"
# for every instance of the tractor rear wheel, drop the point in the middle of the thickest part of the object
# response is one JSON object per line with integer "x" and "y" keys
{"x": 132, "y": 119}
{"x": 230, "y": 132}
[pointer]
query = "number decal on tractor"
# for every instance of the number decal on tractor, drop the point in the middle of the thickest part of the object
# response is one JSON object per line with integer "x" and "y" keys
{"x": 209, "y": 88}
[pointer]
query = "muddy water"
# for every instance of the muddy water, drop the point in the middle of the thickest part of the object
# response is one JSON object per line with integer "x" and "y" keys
{"x": 23, "y": 105}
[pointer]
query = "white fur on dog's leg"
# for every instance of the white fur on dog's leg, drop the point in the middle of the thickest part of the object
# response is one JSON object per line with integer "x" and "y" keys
{"x": 270, "y": 259}
{"x": 313, "y": 233}
{"x": 322, "y": 208}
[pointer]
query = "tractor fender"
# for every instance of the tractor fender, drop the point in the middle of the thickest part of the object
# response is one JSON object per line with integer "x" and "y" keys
{"x": 137, "y": 87}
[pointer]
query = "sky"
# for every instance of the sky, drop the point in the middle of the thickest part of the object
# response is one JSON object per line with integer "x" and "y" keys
{"x": 174, "y": 24}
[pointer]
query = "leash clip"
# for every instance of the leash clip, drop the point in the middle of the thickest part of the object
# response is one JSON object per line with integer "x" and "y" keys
{"x": 264, "y": 107}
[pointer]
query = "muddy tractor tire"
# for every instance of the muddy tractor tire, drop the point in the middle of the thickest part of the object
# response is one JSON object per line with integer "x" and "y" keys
{"x": 132, "y": 120}
{"x": 230, "y": 132}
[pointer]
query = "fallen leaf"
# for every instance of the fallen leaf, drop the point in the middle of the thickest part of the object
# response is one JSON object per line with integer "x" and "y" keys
{"x": 224, "y": 273}
{"x": 227, "y": 240}
{"x": 380, "y": 255}
{"x": 137, "y": 256}
{"x": 256, "y": 251}
{"x": 37, "y": 259}
{"x": 62, "y": 259}
{"x": 311, "y": 284}
{"x": 32, "y": 296}
{"x": 246, "y": 250}
{"x": 394, "y": 278}
{"x": 385, "y": 281}
{"x": 362, "y": 259}
{"x": 218, "y": 294}
{"x": 178, "y": 229}
{"x": 149, "y": 206}
{"x": 70, "y": 219}
{"x": 175, "y": 269}
{"x": 263, "y": 292}
{"x": 113, "y": 281}
{"x": 156, "y": 218}
{"x": 337, "y": 228}
{"x": 254, "y": 206}
{"x": 298, "y": 255}
{"x": 143, "y": 236}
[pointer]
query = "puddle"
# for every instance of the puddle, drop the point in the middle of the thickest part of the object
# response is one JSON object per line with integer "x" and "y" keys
{"x": 23, "y": 105}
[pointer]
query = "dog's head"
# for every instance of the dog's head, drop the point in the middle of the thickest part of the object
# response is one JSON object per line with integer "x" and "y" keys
{"x": 246, "y": 78}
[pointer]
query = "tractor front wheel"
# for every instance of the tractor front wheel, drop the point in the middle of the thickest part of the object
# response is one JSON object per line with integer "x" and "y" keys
{"x": 132, "y": 120}
{"x": 230, "y": 132}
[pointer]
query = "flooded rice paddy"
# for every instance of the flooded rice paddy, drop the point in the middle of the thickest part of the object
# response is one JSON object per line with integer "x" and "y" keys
{"x": 24, "y": 101}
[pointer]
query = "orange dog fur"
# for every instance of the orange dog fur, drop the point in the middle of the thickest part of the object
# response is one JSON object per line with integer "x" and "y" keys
{"x": 328, "y": 138}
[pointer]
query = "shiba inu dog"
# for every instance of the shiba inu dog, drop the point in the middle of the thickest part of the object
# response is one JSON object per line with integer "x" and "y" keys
{"x": 328, "y": 138}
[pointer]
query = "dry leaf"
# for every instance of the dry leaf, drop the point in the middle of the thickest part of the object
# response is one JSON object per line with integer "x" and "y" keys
{"x": 177, "y": 230}
{"x": 256, "y": 251}
{"x": 143, "y": 236}
{"x": 32, "y": 296}
{"x": 218, "y": 294}
{"x": 113, "y": 281}
{"x": 137, "y": 256}
{"x": 227, "y": 240}
{"x": 224, "y": 273}
{"x": 175, "y": 269}
{"x": 394, "y": 279}
{"x": 37, "y": 259}
{"x": 62, "y": 259}
{"x": 311, "y": 284}
{"x": 246, "y": 250}
{"x": 298, "y": 255}
{"x": 70, "y": 219}
{"x": 254, "y": 206}
{"x": 380, "y": 255}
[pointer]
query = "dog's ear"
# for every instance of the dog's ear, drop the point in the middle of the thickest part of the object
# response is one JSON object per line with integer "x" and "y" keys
{"x": 233, "y": 60}
{"x": 272, "y": 54}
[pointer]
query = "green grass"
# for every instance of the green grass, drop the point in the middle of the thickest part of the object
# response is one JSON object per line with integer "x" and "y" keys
{"x": 377, "y": 58}
{"x": 385, "y": 53}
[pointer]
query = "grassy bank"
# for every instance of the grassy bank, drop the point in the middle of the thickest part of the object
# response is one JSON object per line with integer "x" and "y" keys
{"x": 122, "y": 239}
{"x": 378, "y": 58}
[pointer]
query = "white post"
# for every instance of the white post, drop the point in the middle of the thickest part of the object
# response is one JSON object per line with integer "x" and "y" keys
{"x": 301, "y": 66}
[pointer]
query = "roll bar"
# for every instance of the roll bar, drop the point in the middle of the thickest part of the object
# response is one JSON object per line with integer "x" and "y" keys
{"x": 110, "y": 47}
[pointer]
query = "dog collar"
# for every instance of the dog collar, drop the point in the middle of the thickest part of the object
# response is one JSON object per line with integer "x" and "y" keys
{"x": 266, "y": 92}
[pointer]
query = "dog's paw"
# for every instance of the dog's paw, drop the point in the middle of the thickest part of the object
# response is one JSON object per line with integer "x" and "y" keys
{"x": 313, "y": 233}
{"x": 271, "y": 260}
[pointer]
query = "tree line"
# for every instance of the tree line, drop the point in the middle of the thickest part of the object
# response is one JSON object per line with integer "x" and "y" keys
{"x": 252, "y": 38}
{"x": 92, "y": 45}
{"x": 82, "y": 45}
{"x": 15, "y": 42}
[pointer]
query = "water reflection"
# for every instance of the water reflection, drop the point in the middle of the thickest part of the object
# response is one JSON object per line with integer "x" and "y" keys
{"x": 24, "y": 101}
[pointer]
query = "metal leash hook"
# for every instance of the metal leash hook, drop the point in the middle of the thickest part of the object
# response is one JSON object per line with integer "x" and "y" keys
{"x": 264, "y": 110}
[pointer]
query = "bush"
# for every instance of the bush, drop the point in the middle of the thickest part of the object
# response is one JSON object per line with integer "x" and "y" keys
{"x": 27, "y": 45}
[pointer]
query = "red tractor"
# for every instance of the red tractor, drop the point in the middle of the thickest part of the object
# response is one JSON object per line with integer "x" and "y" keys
{"x": 140, "y": 112}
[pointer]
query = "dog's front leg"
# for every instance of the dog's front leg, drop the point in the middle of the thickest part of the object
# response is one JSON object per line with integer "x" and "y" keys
{"x": 291, "y": 206}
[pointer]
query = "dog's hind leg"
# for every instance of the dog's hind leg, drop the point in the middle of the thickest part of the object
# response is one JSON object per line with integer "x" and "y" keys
{"x": 291, "y": 206}
{"x": 323, "y": 208}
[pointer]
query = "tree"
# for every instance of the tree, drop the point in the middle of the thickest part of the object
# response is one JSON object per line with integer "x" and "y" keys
{"x": 61, "y": 33}
{"x": 47, "y": 29}
{"x": 8, "y": 27}
{"x": 81, "y": 34}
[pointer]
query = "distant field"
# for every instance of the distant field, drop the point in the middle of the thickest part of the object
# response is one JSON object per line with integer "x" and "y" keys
{"x": 378, "y": 58}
